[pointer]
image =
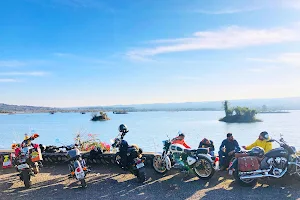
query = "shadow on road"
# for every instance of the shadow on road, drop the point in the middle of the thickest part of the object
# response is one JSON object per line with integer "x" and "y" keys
{"x": 113, "y": 183}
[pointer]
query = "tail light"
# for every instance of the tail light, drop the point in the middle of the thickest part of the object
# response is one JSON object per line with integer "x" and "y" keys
{"x": 217, "y": 159}
{"x": 78, "y": 169}
{"x": 138, "y": 161}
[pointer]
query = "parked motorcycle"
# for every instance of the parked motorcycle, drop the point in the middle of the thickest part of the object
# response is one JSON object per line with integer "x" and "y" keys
{"x": 177, "y": 156}
{"x": 28, "y": 160}
{"x": 77, "y": 165}
{"x": 129, "y": 157}
{"x": 248, "y": 167}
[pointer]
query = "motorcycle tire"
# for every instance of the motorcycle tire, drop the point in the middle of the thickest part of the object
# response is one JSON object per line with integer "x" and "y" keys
{"x": 83, "y": 183}
{"x": 26, "y": 179}
{"x": 211, "y": 165}
{"x": 250, "y": 183}
{"x": 154, "y": 164}
{"x": 36, "y": 170}
{"x": 141, "y": 175}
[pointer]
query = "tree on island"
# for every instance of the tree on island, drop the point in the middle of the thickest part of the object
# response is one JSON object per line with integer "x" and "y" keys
{"x": 102, "y": 117}
{"x": 238, "y": 114}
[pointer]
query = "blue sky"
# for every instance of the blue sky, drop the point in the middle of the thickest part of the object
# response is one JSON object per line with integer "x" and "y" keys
{"x": 102, "y": 52}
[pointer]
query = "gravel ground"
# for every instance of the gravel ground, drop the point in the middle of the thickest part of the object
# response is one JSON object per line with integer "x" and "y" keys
{"x": 113, "y": 183}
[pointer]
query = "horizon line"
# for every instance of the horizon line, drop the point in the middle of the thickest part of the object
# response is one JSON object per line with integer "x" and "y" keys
{"x": 116, "y": 105}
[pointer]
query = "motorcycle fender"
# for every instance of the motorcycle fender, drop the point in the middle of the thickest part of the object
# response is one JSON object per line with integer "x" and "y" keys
{"x": 206, "y": 156}
{"x": 233, "y": 165}
{"x": 79, "y": 175}
{"x": 168, "y": 162}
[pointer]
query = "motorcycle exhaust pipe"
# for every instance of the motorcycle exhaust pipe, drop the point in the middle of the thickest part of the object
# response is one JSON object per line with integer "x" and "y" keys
{"x": 263, "y": 176}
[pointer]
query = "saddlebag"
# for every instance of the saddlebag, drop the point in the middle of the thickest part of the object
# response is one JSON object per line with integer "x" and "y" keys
{"x": 249, "y": 163}
{"x": 36, "y": 155}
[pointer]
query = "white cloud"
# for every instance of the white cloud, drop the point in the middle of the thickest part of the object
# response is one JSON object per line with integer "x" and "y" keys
{"x": 225, "y": 38}
{"x": 8, "y": 80}
{"x": 37, "y": 73}
{"x": 226, "y": 11}
{"x": 285, "y": 58}
{"x": 12, "y": 63}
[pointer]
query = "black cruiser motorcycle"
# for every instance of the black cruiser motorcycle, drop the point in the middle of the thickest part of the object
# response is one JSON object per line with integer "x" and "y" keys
{"x": 275, "y": 163}
{"x": 129, "y": 158}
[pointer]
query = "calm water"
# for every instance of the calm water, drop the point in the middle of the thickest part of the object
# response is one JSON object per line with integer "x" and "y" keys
{"x": 147, "y": 129}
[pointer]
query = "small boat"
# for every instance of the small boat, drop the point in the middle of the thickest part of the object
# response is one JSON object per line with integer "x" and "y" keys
{"x": 83, "y": 113}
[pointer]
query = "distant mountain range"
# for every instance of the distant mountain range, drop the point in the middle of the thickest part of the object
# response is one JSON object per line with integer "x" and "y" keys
{"x": 292, "y": 103}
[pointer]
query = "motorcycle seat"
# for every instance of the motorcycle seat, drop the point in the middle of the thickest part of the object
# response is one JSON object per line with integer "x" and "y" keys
{"x": 190, "y": 151}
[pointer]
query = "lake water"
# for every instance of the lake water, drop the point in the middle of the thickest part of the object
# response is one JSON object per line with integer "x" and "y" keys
{"x": 147, "y": 129}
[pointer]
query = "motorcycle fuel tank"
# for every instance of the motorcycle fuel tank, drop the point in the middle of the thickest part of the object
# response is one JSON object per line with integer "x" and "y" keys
{"x": 177, "y": 148}
{"x": 278, "y": 152}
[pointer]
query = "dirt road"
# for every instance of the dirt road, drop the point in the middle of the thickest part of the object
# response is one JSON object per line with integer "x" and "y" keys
{"x": 113, "y": 183}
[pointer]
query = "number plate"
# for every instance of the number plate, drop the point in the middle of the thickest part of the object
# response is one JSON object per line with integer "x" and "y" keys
{"x": 23, "y": 166}
{"x": 79, "y": 175}
{"x": 230, "y": 172}
{"x": 140, "y": 165}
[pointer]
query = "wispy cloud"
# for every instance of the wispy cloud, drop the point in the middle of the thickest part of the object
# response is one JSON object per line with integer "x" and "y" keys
{"x": 285, "y": 58}
{"x": 225, "y": 38}
{"x": 21, "y": 63}
{"x": 227, "y": 11}
{"x": 37, "y": 73}
{"x": 8, "y": 80}
{"x": 12, "y": 63}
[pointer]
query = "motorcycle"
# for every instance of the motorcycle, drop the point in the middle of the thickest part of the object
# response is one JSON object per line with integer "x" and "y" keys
{"x": 77, "y": 165}
{"x": 28, "y": 160}
{"x": 248, "y": 167}
{"x": 177, "y": 156}
{"x": 129, "y": 157}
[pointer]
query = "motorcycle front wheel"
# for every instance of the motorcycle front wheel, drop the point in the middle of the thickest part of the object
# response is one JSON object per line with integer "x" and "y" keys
{"x": 204, "y": 168}
{"x": 159, "y": 164}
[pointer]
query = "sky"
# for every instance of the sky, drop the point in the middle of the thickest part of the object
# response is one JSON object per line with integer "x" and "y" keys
{"x": 67, "y": 53}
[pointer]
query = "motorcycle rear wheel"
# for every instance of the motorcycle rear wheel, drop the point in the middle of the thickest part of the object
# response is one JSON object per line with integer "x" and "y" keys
{"x": 141, "y": 176}
{"x": 244, "y": 183}
{"x": 26, "y": 179}
{"x": 83, "y": 183}
{"x": 209, "y": 169}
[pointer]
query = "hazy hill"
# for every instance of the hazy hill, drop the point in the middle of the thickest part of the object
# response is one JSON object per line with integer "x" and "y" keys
{"x": 277, "y": 104}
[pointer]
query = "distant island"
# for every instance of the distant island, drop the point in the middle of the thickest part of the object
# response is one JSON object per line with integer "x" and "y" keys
{"x": 266, "y": 110}
{"x": 102, "y": 117}
{"x": 238, "y": 114}
{"x": 120, "y": 112}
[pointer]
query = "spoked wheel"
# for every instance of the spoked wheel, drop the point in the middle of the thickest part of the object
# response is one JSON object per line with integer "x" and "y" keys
{"x": 159, "y": 164}
{"x": 244, "y": 182}
{"x": 204, "y": 168}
